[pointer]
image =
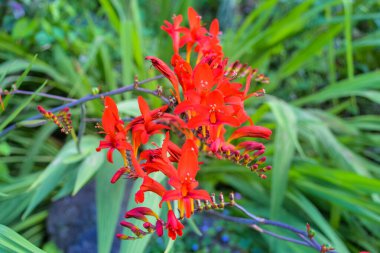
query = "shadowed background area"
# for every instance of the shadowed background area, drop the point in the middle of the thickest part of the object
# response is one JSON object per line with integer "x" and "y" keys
{"x": 322, "y": 58}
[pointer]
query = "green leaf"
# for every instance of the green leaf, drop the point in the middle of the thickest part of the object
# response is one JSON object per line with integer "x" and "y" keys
{"x": 343, "y": 88}
{"x": 301, "y": 56}
{"x": 14, "y": 114}
{"x": 35, "y": 147}
{"x": 138, "y": 246}
{"x": 108, "y": 202}
{"x": 126, "y": 33}
{"x": 194, "y": 227}
{"x": 13, "y": 242}
{"x": 169, "y": 246}
{"x": 111, "y": 13}
{"x": 24, "y": 27}
{"x": 5, "y": 149}
{"x": 87, "y": 169}
{"x": 52, "y": 175}
{"x": 18, "y": 83}
{"x": 303, "y": 203}
{"x": 285, "y": 143}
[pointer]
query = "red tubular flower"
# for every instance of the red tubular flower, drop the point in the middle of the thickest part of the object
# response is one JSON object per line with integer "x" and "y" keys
{"x": 150, "y": 185}
{"x": 250, "y": 145}
{"x": 144, "y": 126}
{"x": 116, "y": 134}
{"x": 173, "y": 225}
{"x": 251, "y": 131}
{"x": 140, "y": 213}
{"x": 125, "y": 237}
{"x": 159, "y": 228}
{"x": 158, "y": 160}
{"x": 166, "y": 71}
{"x": 174, "y": 31}
{"x": 185, "y": 182}
{"x": 118, "y": 174}
{"x": 184, "y": 72}
{"x": 133, "y": 228}
{"x": 203, "y": 78}
{"x": 214, "y": 113}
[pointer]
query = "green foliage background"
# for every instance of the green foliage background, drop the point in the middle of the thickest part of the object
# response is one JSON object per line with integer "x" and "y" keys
{"x": 323, "y": 59}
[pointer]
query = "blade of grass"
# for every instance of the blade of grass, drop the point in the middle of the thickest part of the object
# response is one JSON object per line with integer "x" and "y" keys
{"x": 347, "y": 4}
{"x": 87, "y": 169}
{"x": 343, "y": 88}
{"x": 314, "y": 214}
{"x": 19, "y": 81}
{"x": 111, "y": 13}
{"x": 17, "y": 111}
{"x": 13, "y": 242}
{"x": 126, "y": 45}
{"x": 108, "y": 202}
{"x": 285, "y": 143}
{"x": 35, "y": 147}
{"x": 303, "y": 55}
{"x": 170, "y": 245}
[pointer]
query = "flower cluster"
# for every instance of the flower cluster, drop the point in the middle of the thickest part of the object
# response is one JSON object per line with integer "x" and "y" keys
{"x": 207, "y": 102}
{"x": 62, "y": 119}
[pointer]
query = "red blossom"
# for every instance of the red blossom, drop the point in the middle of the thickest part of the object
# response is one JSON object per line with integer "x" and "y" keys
{"x": 144, "y": 126}
{"x": 174, "y": 31}
{"x": 149, "y": 185}
{"x": 185, "y": 182}
{"x": 173, "y": 225}
{"x": 114, "y": 129}
{"x": 140, "y": 213}
{"x": 251, "y": 131}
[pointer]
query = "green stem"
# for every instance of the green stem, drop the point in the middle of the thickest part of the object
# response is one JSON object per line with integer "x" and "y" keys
{"x": 348, "y": 41}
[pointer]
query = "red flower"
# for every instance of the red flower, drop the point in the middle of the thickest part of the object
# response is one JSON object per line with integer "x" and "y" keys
{"x": 134, "y": 170}
{"x": 144, "y": 126}
{"x": 159, "y": 228}
{"x": 166, "y": 71}
{"x": 174, "y": 31}
{"x": 140, "y": 213}
{"x": 213, "y": 113}
{"x": 157, "y": 159}
{"x": 184, "y": 72}
{"x": 185, "y": 183}
{"x": 173, "y": 225}
{"x": 115, "y": 132}
{"x": 251, "y": 131}
{"x": 133, "y": 228}
{"x": 150, "y": 185}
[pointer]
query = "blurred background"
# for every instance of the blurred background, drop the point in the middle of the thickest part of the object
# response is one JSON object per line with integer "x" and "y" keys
{"x": 323, "y": 59}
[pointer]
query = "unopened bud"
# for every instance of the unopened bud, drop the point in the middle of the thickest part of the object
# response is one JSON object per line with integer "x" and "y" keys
{"x": 232, "y": 198}
{"x": 95, "y": 91}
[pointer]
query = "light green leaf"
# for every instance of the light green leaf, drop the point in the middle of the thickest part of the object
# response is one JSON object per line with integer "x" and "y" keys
{"x": 52, "y": 175}
{"x": 87, "y": 169}
{"x": 169, "y": 246}
{"x": 108, "y": 202}
{"x": 16, "y": 112}
{"x": 15, "y": 243}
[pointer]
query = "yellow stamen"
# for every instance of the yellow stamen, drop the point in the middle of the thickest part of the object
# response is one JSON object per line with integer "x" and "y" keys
{"x": 124, "y": 155}
{"x": 169, "y": 205}
{"x": 199, "y": 57}
{"x": 181, "y": 206}
{"x": 219, "y": 130}
{"x": 204, "y": 131}
{"x": 188, "y": 56}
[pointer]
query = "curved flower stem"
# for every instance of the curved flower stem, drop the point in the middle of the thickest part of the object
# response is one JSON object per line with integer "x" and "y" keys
{"x": 253, "y": 224}
{"x": 39, "y": 94}
{"x": 75, "y": 102}
{"x": 95, "y": 120}
{"x": 256, "y": 223}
